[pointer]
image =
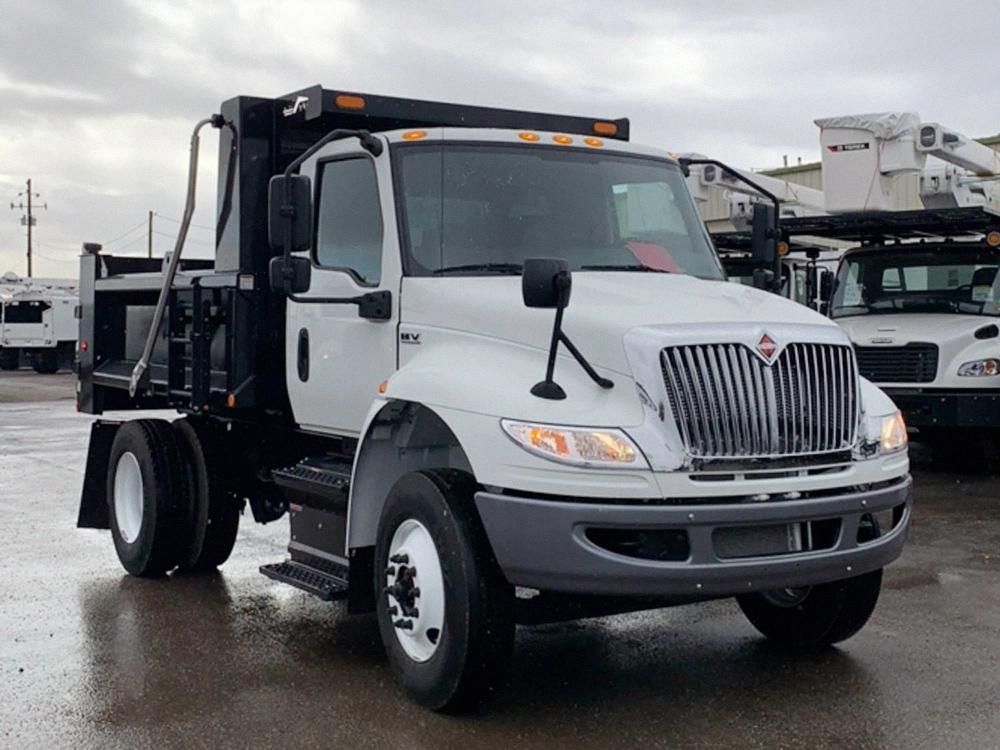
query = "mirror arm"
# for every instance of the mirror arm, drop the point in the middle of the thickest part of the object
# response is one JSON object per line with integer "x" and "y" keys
{"x": 587, "y": 367}
{"x": 548, "y": 388}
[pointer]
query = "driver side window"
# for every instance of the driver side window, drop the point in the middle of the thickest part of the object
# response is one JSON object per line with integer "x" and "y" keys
{"x": 349, "y": 219}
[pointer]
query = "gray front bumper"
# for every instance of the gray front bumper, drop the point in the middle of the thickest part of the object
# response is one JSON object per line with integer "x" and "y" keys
{"x": 542, "y": 544}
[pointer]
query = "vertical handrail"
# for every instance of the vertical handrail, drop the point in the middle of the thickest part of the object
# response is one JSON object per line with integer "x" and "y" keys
{"x": 139, "y": 372}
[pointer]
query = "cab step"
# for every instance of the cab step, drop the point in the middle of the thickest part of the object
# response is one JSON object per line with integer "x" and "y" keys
{"x": 322, "y": 482}
{"x": 326, "y": 586}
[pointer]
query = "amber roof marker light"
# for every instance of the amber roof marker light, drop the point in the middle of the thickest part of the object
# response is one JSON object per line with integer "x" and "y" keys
{"x": 562, "y": 140}
{"x": 605, "y": 128}
{"x": 349, "y": 101}
{"x": 530, "y": 137}
{"x": 414, "y": 135}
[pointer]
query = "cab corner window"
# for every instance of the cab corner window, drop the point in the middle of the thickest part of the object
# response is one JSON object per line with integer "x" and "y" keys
{"x": 349, "y": 220}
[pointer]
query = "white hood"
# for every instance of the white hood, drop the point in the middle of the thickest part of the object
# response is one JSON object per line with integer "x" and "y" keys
{"x": 954, "y": 336}
{"x": 603, "y": 307}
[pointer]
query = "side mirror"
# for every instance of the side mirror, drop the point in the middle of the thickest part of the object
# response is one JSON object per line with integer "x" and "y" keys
{"x": 763, "y": 243}
{"x": 826, "y": 285}
{"x": 289, "y": 213}
{"x": 299, "y": 273}
{"x": 546, "y": 282}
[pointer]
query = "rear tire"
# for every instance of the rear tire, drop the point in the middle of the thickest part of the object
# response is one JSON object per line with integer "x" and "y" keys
{"x": 148, "y": 496}
{"x": 215, "y": 514}
{"x": 9, "y": 359}
{"x": 462, "y": 626}
{"x": 45, "y": 362}
{"x": 814, "y": 617}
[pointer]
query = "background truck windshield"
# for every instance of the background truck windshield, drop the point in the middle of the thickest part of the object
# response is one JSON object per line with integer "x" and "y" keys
{"x": 943, "y": 279}
{"x": 482, "y": 209}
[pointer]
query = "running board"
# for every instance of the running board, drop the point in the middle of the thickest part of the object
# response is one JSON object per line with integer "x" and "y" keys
{"x": 326, "y": 586}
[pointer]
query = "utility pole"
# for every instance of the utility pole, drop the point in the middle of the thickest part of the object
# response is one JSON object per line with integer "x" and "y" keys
{"x": 28, "y": 218}
{"x": 149, "y": 243}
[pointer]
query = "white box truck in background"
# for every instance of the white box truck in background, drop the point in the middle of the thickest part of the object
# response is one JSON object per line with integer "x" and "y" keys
{"x": 38, "y": 324}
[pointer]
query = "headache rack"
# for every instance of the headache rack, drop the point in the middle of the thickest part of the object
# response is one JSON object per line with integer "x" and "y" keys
{"x": 220, "y": 342}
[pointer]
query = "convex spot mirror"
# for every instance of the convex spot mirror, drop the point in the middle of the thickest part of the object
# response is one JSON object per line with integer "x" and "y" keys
{"x": 546, "y": 282}
{"x": 289, "y": 214}
{"x": 299, "y": 274}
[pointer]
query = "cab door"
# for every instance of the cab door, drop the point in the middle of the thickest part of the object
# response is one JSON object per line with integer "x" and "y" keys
{"x": 335, "y": 356}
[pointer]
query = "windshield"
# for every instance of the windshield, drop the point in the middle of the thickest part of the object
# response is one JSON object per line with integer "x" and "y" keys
{"x": 485, "y": 208}
{"x": 944, "y": 279}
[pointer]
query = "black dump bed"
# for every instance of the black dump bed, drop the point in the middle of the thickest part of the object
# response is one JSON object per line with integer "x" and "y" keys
{"x": 220, "y": 346}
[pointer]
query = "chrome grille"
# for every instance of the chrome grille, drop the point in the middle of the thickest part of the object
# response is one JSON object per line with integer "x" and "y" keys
{"x": 728, "y": 403}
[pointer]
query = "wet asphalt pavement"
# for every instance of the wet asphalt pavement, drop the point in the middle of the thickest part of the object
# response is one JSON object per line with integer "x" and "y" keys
{"x": 90, "y": 657}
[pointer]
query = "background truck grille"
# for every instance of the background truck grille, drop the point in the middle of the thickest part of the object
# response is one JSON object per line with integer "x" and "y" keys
{"x": 728, "y": 403}
{"x": 913, "y": 363}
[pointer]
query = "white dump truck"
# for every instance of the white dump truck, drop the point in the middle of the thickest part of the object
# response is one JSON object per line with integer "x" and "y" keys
{"x": 485, "y": 363}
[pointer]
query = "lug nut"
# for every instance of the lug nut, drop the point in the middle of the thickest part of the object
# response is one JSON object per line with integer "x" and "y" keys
{"x": 415, "y": 592}
{"x": 390, "y": 571}
{"x": 393, "y": 611}
{"x": 399, "y": 559}
{"x": 403, "y": 624}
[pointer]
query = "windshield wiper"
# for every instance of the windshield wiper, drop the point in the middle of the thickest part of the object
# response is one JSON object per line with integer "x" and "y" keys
{"x": 642, "y": 269}
{"x": 504, "y": 268}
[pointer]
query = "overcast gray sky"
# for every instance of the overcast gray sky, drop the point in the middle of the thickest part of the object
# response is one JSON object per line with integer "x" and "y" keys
{"x": 97, "y": 99}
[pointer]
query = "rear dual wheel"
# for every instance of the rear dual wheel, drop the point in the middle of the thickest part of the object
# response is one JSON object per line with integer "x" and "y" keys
{"x": 45, "y": 362}
{"x": 9, "y": 359}
{"x": 168, "y": 505}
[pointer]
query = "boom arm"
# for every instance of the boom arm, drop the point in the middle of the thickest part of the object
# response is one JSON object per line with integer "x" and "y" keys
{"x": 863, "y": 153}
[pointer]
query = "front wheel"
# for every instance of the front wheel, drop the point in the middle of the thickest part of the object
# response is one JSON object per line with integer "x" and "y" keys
{"x": 812, "y": 617}
{"x": 445, "y": 611}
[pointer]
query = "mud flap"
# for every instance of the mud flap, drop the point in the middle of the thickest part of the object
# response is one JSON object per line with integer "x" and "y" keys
{"x": 94, "y": 499}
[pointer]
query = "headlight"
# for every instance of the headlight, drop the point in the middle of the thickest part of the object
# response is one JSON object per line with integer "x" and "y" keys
{"x": 979, "y": 368}
{"x": 893, "y": 436}
{"x": 573, "y": 445}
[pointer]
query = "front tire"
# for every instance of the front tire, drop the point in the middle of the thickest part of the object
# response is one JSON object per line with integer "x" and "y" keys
{"x": 445, "y": 611}
{"x": 814, "y": 617}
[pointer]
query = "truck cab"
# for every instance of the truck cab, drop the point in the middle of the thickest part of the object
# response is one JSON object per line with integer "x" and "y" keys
{"x": 923, "y": 318}
{"x": 487, "y": 366}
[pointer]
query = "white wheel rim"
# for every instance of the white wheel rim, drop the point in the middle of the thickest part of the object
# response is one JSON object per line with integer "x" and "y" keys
{"x": 128, "y": 497}
{"x": 412, "y": 549}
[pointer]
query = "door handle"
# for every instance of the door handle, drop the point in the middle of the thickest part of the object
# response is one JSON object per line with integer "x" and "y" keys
{"x": 302, "y": 360}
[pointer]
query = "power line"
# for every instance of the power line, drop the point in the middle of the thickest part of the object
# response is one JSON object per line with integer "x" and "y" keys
{"x": 177, "y": 221}
{"x": 174, "y": 237}
{"x": 123, "y": 235}
{"x": 60, "y": 249}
